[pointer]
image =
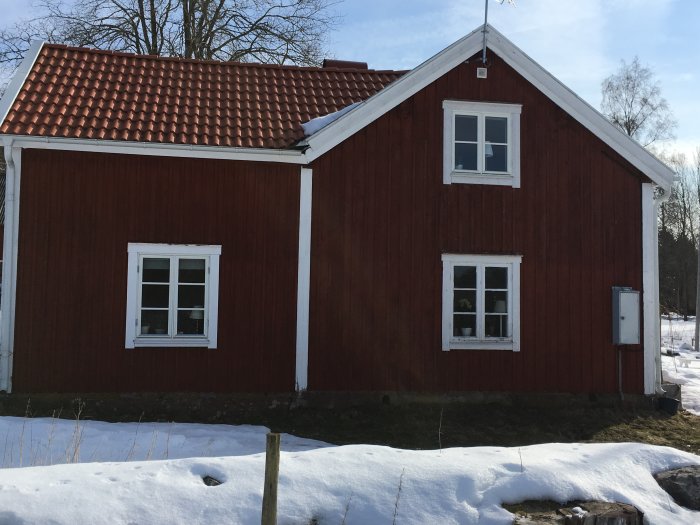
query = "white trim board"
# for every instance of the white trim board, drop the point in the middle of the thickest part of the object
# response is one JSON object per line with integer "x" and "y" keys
{"x": 304, "y": 280}
{"x": 19, "y": 78}
{"x": 158, "y": 149}
{"x": 650, "y": 306}
{"x": 446, "y": 60}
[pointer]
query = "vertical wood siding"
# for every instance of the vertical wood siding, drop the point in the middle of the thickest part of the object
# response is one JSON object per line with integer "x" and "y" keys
{"x": 78, "y": 213}
{"x": 382, "y": 218}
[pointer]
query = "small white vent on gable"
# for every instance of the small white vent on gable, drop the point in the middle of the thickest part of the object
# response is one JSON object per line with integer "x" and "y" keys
{"x": 481, "y": 72}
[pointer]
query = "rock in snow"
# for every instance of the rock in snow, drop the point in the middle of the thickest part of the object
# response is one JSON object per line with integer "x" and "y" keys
{"x": 683, "y": 484}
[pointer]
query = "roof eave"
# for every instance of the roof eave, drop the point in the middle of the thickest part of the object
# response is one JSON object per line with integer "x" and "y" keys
{"x": 284, "y": 156}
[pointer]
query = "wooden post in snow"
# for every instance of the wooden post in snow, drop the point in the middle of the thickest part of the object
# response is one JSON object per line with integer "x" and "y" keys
{"x": 272, "y": 471}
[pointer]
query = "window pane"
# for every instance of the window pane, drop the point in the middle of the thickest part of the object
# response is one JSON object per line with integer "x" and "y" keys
{"x": 464, "y": 325}
{"x": 496, "y": 277}
{"x": 465, "y": 301}
{"x": 190, "y": 296}
{"x": 156, "y": 270}
{"x": 155, "y": 296}
{"x": 496, "y": 129}
{"x": 190, "y": 322}
{"x": 465, "y": 276}
{"x": 191, "y": 270}
{"x": 465, "y": 156}
{"x": 154, "y": 322}
{"x": 496, "y": 302}
{"x": 496, "y": 158}
{"x": 465, "y": 128}
{"x": 496, "y": 326}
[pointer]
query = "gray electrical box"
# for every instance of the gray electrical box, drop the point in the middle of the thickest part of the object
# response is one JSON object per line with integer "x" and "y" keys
{"x": 625, "y": 321}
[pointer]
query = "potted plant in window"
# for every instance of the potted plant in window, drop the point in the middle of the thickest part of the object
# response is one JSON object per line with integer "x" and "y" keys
{"x": 465, "y": 305}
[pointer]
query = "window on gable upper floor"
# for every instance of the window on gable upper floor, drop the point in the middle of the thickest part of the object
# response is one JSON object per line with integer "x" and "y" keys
{"x": 481, "y": 143}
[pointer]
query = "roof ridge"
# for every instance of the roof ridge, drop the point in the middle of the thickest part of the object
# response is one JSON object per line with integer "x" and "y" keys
{"x": 259, "y": 65}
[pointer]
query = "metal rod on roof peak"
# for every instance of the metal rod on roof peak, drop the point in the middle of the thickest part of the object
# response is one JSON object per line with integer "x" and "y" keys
{"x": 486, "y": 17}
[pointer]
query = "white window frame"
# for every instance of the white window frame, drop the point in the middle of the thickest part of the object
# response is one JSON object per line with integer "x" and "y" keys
{"x": 479, "y": 341}
{"x": 481, "y": 110}
{"x": 136, "y": 253}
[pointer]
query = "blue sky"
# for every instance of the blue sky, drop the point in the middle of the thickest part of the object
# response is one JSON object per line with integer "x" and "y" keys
{"x": 579, "y": 41}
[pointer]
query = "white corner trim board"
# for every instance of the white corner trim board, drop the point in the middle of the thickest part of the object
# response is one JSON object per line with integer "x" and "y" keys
{"x": 650, "y": 308}
{"x": 13, "y": 160}
{"x": 19, "y": 78}
{"x": 304, "y": 280}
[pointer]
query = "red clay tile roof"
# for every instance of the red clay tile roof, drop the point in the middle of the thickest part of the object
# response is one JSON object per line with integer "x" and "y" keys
{"x": 83, "y": 93}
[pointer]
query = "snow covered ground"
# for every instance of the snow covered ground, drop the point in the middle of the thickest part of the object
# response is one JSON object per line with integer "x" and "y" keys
{"x": 677, "y": 338}
{"x": 357, "y": 484}
{"x": 85, "y": 472}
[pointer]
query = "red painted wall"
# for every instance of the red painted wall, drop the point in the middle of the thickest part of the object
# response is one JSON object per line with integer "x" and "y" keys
{"x": 382, "y": 218}
{"x": 78, "y": 213}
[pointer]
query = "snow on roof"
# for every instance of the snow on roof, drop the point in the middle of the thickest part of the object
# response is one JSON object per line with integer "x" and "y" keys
{"x": 318, "y": 123}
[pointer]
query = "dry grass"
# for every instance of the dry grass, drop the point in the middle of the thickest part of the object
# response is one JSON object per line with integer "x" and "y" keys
{"x": 412, "y": 426}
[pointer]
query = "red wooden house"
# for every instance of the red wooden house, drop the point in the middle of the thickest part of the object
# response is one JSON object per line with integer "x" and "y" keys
{"x": 169, "y": 227}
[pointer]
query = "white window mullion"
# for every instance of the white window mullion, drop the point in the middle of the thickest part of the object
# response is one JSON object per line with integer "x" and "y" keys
{"x": 509, "y": 144}
{"x": 453, "y": 134}
{"x": 480, "y": 146}
{"x": 480, "y": 306}
{"x": 139, "y": 293}
{"x": 172, "y": 290}
{"x": 509, "y": 302}
{"x": 207, "y": 270}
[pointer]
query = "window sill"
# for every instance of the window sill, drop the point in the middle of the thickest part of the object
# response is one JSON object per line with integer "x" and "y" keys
{"x": 169, "y": 342}
{"x": 492, "y": 179}
{"x": 480, "y": 344}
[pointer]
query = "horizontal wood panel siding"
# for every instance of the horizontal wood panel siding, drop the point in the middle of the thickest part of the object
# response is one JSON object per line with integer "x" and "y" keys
{"x": 382, "y": 218}
{"x": 78, "y": 213}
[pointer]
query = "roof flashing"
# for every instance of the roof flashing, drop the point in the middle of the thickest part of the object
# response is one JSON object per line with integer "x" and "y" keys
{"x": 19, "y": 78}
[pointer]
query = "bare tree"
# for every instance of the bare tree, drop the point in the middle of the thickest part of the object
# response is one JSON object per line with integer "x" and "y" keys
{"x": 678, "y": 240}
{"x": 276, "y": 31}
{"x": 695, "y": 170}
{"x": 632, "y": 101}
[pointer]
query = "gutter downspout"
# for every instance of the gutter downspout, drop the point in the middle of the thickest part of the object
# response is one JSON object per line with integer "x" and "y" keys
{"x": 9, "y": 271}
